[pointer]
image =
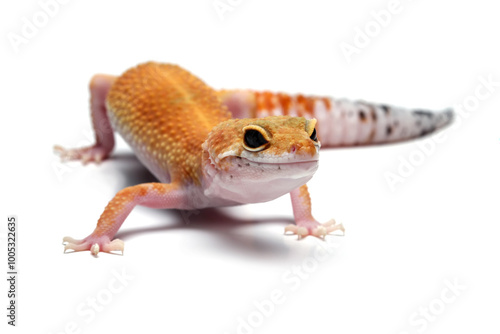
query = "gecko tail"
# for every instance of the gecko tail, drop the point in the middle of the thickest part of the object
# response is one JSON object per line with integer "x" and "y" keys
{"x": 341, "y": 122}
{"x": 361, "y": 123}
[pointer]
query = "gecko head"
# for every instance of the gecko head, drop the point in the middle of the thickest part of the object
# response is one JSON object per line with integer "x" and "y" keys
{"x": 259, "y": 159}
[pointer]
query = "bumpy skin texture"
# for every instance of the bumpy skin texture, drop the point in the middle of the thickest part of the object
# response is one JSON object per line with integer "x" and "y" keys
{"x": 165, "y": 114}
{"x": 222, "y": 148}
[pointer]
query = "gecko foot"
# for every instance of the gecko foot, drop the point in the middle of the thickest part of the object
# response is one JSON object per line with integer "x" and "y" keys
{"x": 93, "y": 244}
{"x": 95, "y": 153}
{"x": 312, "y": 227}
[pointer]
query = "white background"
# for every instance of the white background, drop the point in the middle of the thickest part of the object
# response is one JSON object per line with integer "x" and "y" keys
{"x": 401, "y": 246}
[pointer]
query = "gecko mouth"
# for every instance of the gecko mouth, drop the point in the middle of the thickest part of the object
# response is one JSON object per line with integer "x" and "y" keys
{"x": 278, "y": 160}
{"x": 247, "y": 181}
{"x": 277, "y": 168}
{"x": 242, "y": 180}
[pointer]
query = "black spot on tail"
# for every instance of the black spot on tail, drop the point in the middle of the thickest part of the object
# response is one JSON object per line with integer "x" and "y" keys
{"x": 423, "y": 113}
{"x": 385, "y": 108}
{"x": 427, "y": 131}
{"x": 389, "y": 130}
{"x": 362, "y": 116}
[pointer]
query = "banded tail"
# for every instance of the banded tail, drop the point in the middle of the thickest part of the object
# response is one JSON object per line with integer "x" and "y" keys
{"x": 341, "y": 122}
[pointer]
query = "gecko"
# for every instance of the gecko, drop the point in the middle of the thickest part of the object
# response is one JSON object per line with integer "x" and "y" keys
{"x": 214, "y": 148}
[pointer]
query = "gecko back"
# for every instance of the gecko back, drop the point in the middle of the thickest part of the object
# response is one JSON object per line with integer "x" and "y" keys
{"x": 165, "y": 114}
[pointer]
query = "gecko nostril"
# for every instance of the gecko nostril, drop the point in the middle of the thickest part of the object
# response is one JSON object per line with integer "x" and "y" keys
{"x": 293, "y": 149}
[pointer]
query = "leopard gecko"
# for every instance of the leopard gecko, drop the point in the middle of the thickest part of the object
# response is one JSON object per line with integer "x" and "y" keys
{"x": 213, "y": 148}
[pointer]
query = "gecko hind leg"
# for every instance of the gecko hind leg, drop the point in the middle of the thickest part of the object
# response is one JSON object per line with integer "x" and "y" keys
{"x": 104, "y": 138}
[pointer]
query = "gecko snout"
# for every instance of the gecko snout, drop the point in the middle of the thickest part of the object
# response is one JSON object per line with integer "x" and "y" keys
{"x": 302, "y": 149}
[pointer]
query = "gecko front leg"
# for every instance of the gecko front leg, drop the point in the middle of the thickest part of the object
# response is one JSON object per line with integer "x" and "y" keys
{"x": 153, "y": 195}
{"x": 305, "y": 222}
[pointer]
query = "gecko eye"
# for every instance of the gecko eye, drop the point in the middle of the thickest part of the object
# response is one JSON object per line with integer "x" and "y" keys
{"x": 314, "y": 136}
{"x": 311, "y": 128}
{"x": 254, "y": 140}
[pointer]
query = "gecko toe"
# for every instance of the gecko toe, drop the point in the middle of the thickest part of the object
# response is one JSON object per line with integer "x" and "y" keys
{"x": 116, "y": 245}
{"x": 291, "y": 228}
{"x": 70, "y": 240}
{"x": 94, "y": 250}
{"x": 330, "y": 222}
{"x": 75, "y": 247}
{"x": 338, "y": 227}
{"x": 302, "y": 232}
{"x": 95, "y": 153}
{"x": 320, "y": 232}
